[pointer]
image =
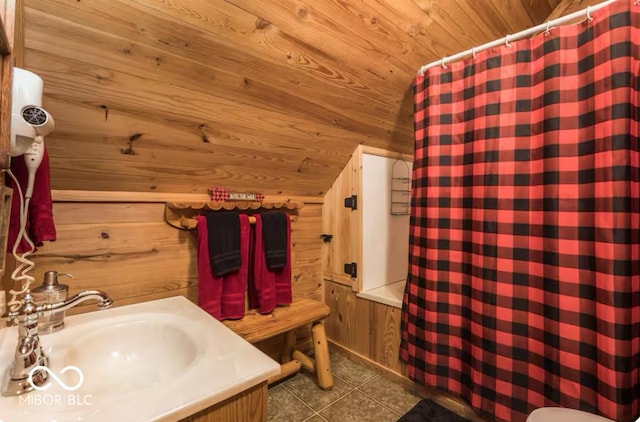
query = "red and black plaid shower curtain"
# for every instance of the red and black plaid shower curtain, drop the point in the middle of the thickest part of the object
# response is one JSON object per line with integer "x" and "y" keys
{"x": 524, "y": 282}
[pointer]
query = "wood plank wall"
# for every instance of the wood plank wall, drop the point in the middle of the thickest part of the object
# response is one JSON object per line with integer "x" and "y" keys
{"x": 173, "y": 96}
{"x": 370, "y": 329}
{"x": 8, "y": 46}
{"x": 178, "y": 96}
{"x": 130, "y": 252}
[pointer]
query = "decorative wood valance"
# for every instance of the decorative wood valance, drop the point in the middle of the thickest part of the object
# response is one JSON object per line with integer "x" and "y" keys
{"x": 182, "y": 215}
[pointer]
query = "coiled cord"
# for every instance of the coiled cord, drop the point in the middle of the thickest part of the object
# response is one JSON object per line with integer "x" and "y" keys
{"x": 20, "y": 274}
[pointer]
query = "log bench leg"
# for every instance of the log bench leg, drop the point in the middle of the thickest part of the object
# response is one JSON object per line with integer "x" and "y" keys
{"x": 291, "y": 359}
{"x": 286, "y": 369}
{"x": 321, "y": 352}
{"x": 289, "y": 345}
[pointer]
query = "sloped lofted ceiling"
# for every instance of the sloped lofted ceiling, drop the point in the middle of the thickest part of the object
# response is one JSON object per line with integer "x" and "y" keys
{"x": 252, "y": 95}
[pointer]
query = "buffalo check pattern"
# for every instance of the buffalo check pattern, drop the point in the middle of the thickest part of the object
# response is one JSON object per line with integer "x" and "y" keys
{"x": 524, "y": 276}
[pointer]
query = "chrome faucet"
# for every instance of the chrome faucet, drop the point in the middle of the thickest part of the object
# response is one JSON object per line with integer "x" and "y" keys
{"x": 29, "y": 353}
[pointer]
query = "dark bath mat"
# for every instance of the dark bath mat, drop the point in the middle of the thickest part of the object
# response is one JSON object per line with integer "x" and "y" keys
{"x": 429, "y": 411}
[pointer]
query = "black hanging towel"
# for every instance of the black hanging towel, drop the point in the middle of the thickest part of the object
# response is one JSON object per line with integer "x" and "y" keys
{"x": 224, "y": 242}
{"x": 274, "y": 233}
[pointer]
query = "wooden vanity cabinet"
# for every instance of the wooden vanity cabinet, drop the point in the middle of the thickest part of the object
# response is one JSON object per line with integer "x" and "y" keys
{"x": 248, "y": 406}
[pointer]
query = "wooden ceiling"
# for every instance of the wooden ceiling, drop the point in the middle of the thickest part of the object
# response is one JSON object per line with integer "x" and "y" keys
{"x": 252, "y": 95}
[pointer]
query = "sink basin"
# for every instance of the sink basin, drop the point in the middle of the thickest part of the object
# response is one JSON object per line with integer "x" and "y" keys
{"x": 153, "y": 361}
{"x": 130, "y": 355}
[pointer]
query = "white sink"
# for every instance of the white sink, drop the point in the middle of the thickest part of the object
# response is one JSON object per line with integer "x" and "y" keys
{"x": 153, "y": 361}
{"x": 155, "y": 351}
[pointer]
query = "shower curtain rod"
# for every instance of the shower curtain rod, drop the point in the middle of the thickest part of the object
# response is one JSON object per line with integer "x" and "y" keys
{"x": 527, "y": 32}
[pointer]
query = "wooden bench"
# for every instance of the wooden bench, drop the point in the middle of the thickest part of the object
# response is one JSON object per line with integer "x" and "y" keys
{"x": 255, "y": 327}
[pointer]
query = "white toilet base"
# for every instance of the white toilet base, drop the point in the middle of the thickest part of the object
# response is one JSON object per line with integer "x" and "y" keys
{"x": 560, "y": 414}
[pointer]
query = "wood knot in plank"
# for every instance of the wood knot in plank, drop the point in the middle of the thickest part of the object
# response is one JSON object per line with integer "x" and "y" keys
{"x": 203, "y": 134}
{"x": 106, "y": 111}
{"x": 129, "y": 149}
{"x": 302, "y": 12}
{"x": 262, "y": 23}
{"x": 303, "y": 164}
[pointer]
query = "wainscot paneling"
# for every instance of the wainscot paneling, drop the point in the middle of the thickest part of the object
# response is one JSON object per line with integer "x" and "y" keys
{"x": 130, "y": 252}
{"x": 370, "y": 329}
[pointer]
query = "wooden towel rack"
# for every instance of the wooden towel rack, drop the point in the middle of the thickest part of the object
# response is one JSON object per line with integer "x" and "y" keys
{"x": 182, "y": 215}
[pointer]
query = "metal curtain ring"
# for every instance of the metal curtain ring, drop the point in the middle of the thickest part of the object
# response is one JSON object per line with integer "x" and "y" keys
{"x": 443, "y": 63}
{"x": 506, "y": 41}
{"x": 473, "y": 50}
{"x": 589, "y": 17}
{"x": 547, "y": 31}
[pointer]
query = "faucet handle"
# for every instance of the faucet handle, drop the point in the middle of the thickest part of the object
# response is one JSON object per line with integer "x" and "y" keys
{"x": 27, "y": 307}
{"x": 11, "y": 318}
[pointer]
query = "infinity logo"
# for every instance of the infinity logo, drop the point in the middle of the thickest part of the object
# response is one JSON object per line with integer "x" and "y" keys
{"x": 58, "y": 380}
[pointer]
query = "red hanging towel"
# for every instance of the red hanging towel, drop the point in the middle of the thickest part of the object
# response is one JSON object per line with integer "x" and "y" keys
{"x": 270, "y": 287}
{"x": 40, "y": 226}
{"x": 209, "y": 289}
{"x": 262, "y": 290}
{"x": 234, "y": 287}
{"x": 222, "y": 297}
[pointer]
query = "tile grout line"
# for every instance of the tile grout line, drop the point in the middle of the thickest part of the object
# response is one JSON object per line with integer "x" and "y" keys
{"x": 336, "y": 400}
{"x": 301, "y": 401}
{"x": 376, "y": 400}
{"x": 351, "y": 389}
{"x": 313, "y": 416}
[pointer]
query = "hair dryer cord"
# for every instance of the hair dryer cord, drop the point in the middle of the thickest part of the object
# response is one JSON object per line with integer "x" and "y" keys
{"x": 21, "y": 272}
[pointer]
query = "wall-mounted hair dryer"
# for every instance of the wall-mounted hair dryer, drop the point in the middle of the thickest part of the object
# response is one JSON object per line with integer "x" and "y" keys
{"x": 30, "y": 123}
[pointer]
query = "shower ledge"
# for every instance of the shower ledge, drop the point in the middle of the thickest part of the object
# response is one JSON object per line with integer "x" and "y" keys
{"x": 389, "y": 294}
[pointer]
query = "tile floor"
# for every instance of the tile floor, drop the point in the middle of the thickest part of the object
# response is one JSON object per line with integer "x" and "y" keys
{"x": 360, "y": 394}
